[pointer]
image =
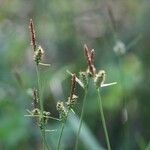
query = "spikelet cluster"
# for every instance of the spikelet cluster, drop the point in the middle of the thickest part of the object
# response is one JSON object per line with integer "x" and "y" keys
{"x": 100, "y": 78}
{"x": 37, "y": 113}
{"x": 38, "y": 51}
{"x": 71, "y": 102}
{"x": 62, "y": 111}
{"x": 72, "y": 99}
{"x": 38, "y": 54}
{"x": 91, "y": 72}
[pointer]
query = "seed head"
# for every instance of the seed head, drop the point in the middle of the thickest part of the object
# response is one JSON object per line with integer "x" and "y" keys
{"x": 46, "y": 114}
{"x": 38, "y": 54}
{"x": 36, "y": 113}
{"x": 62, "y": 111}
{"x": 72, "y": 102}
{"x": 90, "y": 59}
{"x": 100, "y": 78}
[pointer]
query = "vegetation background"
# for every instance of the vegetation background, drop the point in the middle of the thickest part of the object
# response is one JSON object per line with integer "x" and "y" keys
{"x": 62, "y": 28}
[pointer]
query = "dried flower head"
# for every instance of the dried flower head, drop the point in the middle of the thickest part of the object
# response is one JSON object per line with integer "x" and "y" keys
{"x": 32, "y": 32}
{"x": 100, "y": 78}
{"x": 90, "y": 59}
{"x": 72, "y": 98}
{"x": 62, "y": 111}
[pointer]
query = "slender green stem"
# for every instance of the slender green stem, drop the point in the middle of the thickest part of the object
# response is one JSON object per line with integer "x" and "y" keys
{"x": 41, "y": 108}
{"x": 39, "y": 88}
{"x": 81, "y": 120}
{"x": 60, "y": 136}
{"x": 103, "y": 119}
{"x": 45, "y": 144}
{"x": 62, "y": 129}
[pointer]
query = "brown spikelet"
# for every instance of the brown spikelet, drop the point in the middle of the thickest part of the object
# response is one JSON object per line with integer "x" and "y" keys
{"x": 90, "y": 59}
{"x": 73, "y": 86}
{"x": 87, "y": 54}
{"x": 35, "y": 98}
{"x": 32, "y": 32}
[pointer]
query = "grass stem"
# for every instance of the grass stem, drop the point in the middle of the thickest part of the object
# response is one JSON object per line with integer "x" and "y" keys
{"x": 45, "y": 145}
{"x": 62, "y": 129}
{"x": 60, "y": 136}
{"x": 81, "y": 120}
{"x": 103, "y": 119}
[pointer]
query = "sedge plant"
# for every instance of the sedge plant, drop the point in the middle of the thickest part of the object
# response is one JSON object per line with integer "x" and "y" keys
{"x": 98, "y": 79}
{"x": 38, "y": 54}
{"x": 38, "y": 113}
{"x": 64, "y": 110}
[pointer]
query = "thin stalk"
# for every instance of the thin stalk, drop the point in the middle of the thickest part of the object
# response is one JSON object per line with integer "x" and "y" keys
{"x": 60, "y": 136}
{"x": 45, "y": 145}
{"x": 81, "y": 120}
{"x": 61, "y": 132}
{"x": 103, "y": 119}
{"x": 39, "y": 88}
{"x": 45, "y": 142}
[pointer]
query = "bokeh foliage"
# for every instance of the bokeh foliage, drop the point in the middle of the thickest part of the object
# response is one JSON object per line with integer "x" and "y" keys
{"x": 62, "y": 27}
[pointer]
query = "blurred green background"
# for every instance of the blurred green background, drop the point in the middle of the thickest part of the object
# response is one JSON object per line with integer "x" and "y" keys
{"x": 62, "y": 28}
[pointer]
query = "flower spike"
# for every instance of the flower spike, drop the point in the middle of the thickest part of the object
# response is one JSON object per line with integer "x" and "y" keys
{"x": 32, "y": 31}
